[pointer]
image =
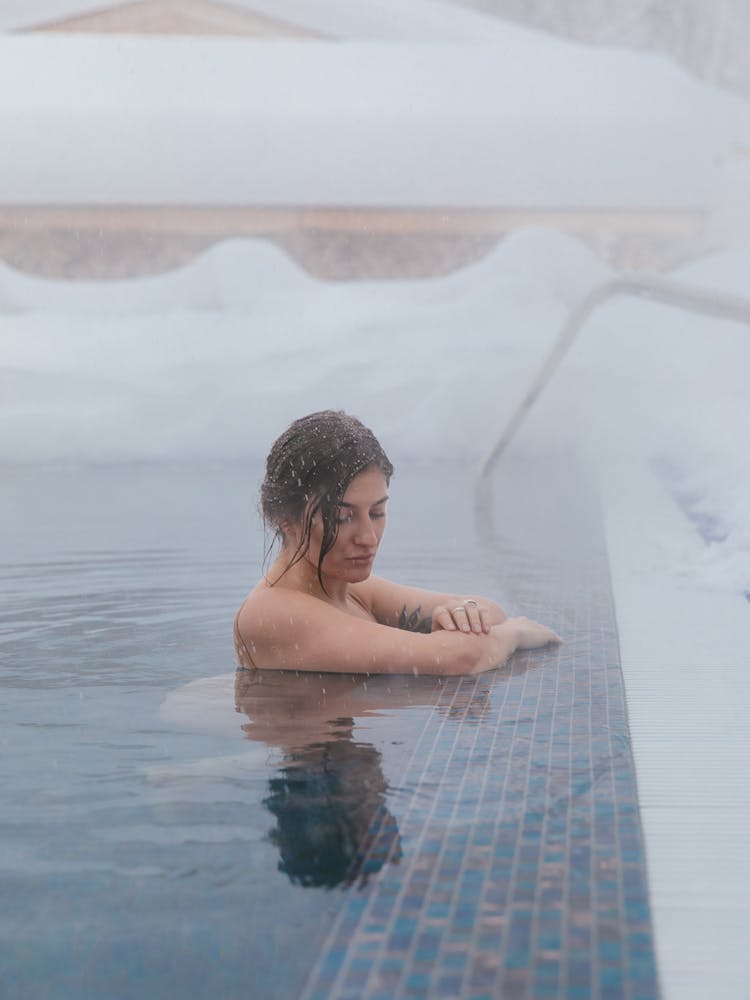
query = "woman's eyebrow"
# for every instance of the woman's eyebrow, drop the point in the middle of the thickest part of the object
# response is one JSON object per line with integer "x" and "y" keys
{"x": 343, "y": 503}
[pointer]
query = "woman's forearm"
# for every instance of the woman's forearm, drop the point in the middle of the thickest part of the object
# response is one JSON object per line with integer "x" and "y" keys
{"x": 459, "y": 654}
{"x": 503, "y": 642}
{"x": 473, "y": 654}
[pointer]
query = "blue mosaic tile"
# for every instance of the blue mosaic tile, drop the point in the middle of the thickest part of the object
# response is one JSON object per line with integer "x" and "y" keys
{"x": 523, "y": 869}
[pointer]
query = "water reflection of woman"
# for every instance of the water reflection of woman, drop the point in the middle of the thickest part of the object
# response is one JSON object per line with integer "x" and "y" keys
{"x": 332, "y": 824}
{"x": 320, "y": 608}
{"x": 328, "y": 796}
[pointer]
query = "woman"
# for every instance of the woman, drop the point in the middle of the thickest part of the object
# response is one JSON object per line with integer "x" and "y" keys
{"x": 320, "y": 608}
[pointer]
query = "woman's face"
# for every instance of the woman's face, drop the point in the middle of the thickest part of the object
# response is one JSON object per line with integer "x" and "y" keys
{"x": 361, "y": 523}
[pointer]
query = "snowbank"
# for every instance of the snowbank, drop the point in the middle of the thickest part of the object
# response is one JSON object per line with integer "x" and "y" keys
{"x": 214, "y": 360}
{"x": 532, "y": 121}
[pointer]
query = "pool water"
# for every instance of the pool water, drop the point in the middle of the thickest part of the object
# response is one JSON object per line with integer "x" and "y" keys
{"x": 171, "y": 828}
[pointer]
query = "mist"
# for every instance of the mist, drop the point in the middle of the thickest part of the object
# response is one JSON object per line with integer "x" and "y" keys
{"x": 541, "y": 166}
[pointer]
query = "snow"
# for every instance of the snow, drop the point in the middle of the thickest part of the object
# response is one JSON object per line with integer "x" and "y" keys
{"x": 213, "y": 360}
{"x": 531, "y": 121}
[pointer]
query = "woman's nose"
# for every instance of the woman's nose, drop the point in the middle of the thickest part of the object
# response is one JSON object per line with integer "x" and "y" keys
{"x": 365, "y": 534}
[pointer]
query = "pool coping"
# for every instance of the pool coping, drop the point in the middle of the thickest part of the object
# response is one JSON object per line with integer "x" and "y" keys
{"x": 565, "y": 871}
{"x": 689, "y": 733}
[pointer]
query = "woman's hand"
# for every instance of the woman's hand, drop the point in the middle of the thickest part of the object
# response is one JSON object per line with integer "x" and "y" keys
{"x": 530, "y": 634}
{"x": 510, "y": 635}
{"x": 467, "y": 615}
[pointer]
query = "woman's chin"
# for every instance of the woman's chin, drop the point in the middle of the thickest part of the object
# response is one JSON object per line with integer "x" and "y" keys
{"x": 358, "y": 569}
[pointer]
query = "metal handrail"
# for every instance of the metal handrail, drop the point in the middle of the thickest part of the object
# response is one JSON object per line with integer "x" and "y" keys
{"x": 646, "y": 286}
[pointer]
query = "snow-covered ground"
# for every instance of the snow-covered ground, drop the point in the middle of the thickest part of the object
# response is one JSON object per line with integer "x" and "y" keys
{"x": 213, "y": 360}
{"x": 524, "y": 120}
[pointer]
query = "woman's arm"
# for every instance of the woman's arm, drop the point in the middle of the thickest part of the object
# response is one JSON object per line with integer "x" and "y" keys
{"x": 303, "y": 633}
{"x": 427, "y": 610}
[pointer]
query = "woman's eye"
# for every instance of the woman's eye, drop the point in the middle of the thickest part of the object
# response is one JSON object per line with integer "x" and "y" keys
{"x": 347, "y": 518}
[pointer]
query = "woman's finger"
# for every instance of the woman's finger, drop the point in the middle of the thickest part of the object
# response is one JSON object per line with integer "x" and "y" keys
{"x": 459, "y": 618}
{"x": 466, "y": 618}
{"x": 442, "y": 618}
{"x": 477, "y": 616}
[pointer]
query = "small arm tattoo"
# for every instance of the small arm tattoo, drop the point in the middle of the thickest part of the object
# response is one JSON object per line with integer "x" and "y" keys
{"x": 411, "y": 622}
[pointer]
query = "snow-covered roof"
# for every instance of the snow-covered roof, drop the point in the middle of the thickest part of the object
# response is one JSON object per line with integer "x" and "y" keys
{"x": 386, "y": 20}
{"x": 144, "y": 121}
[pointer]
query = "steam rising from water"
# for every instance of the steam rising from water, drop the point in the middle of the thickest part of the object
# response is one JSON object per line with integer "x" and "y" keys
{"x": 213, "y": 360}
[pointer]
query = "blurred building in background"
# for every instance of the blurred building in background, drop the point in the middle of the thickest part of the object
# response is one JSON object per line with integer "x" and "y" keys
{"x": 162, "y": 17}
{"x": 363, "y": 240}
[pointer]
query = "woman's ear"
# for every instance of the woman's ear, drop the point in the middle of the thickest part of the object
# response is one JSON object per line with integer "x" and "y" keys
{"x": 289, "y": 533}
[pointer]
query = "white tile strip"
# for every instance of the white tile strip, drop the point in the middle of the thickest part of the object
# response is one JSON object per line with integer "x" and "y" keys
{"x": 686, "y": 661}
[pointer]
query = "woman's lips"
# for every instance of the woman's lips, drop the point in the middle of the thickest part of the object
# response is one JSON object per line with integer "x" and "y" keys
{"x": 361, "y": 560}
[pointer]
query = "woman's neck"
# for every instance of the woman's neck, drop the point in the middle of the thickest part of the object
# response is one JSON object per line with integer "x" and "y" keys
{"x": 303, "y": 576}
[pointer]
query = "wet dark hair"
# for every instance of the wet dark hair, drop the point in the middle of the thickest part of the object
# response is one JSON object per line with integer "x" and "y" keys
{"x": 309, "y": 469}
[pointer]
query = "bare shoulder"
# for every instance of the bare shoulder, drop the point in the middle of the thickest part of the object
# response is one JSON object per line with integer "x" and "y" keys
{"x": 269, "y": 607}
{"x": 271, "y": 623}
{"x": 284, "y": 628}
